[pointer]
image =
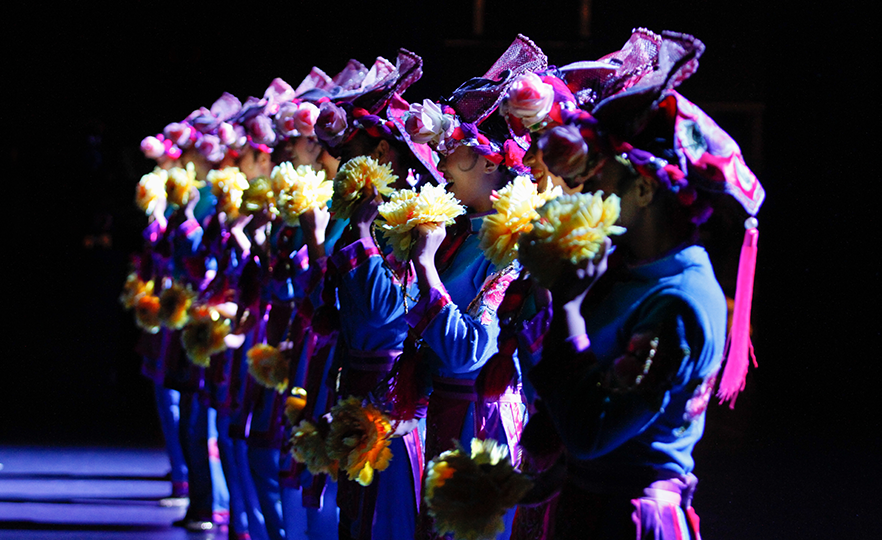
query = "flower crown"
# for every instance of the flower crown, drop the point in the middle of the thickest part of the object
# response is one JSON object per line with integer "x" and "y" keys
{"x": 534, "y": 102}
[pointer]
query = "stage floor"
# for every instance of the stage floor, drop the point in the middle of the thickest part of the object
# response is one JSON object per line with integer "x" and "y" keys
{"x": 87, "y": 492}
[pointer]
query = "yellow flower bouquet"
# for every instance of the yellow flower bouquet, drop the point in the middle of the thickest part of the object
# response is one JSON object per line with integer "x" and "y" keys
{"x": 407, "y": 209}
{"x": 359, "y": 439}
{"x": 174, "y": 306}
{"x": 468, "y": 493}
{"x": 150, "y": 189}
{"x": 515, "y": 206}
{"x": 303, "y": 189}
{"x": 569, "y": 228}
{"x": 268, "y": 366}
{"x": 356, "y": 178}
{"x": 179, "y": 183}
{"x": 228, "y": 185}
{"x": 204, "y": 334}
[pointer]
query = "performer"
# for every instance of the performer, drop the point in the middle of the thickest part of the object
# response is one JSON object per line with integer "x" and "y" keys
{"x": 631, "y": 358}
{"x": 368, "y": 286}
{"x": 460, "y": 290}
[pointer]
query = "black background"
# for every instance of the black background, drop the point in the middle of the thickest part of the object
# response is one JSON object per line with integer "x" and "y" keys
{"x": 82, "y": 85}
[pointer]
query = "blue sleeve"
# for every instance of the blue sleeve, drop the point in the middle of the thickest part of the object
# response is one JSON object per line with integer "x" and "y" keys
{"x": 597, "y": 409}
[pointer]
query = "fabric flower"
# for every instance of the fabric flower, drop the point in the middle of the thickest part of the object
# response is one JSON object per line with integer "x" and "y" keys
{"x": 428, "y": 123}
{"x": 359, "y": 439}
{"x": 152, "y": 147}
{"x": 529, "y": 98}
{"x": 304, "y": 189}
{"x": 134, "y": 288}
{"x": 180, "y": 133}
{"x": 174, "y": 306}
{"x": 147, "y": 313}
{"x": 406, "y": 209}
{"x": 259, "y": 196}
{"x": 180, "y": 183}
{"x": 228, "y": 185}
{"x": 309, "y": 446}
{"x": 515, "y": 206}
{"x": 569, "y": 228}
{"x": 260, "y": 127}
{"x": 356, "y": 177}
{"x": 210, "y": 147}
{"x": 294, "y": 405}
{"x": 268, "y": 366}
{"x": 204, "y": 336}
{"x": 564, "y": 151}
{"x": 297, "y": 119}
{"x": 468, "y": 494}
{"x": 150, "y": 189}
{"x": 331, "y": 125}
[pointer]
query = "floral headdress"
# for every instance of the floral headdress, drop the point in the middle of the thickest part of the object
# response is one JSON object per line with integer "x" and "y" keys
{"x": 455, "y": 120}
{"x": 658, "y": 133}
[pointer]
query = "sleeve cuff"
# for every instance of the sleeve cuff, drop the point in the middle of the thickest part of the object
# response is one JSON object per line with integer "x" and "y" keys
{"x": 189, "y": 227}
{"x": 425, "y": 311}
{"x": 153, "y": 231}
{"x": 353, "y": 255}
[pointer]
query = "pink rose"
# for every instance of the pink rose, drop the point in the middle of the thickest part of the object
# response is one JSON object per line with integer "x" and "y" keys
{"x": 227, "y": 134}
{"x": 427, "y": 123}
{"x": 331, "y": 124}
{"x": 564, "y": 151}
{"x": 152, "y": 147}
{"x": 529, "y": 99}
{"x": 285, "y": 120}
{"x": 180, "y": 133}
{"x": 260, "y": 128}
{"x": 210, "y": 147}
{"x": 305, "y": 118}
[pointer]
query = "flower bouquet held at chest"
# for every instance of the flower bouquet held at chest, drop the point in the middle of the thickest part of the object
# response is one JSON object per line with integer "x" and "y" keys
{"x": 408, "y": 209}
{"x": 569, "y": 228}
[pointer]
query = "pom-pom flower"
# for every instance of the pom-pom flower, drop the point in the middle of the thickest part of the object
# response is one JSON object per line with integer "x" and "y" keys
{"x": 133, "y": 289}
{"x": 294, "y": 405}
{"x": 359, "y": 439}
{"x": 268, "y": 366}
{"x": 259, "y": 196}
{"x": 309, "y": 446}
{"x": 228, "y": 186}
{"x": 515, "y": 206}
{"x": 468, "y": 494}
{"x": 569, "y": 228}
{"x": 147, "y": 313}
{"x": 150, "y": 189}
{"x": 204, "y": 335}
{"x": 180, "y": 183}
{"x": 305, "y": 189}
{"x": 174, "y": 305}
{"x": 355, "y": 178}
{"x": 406, "y": 209}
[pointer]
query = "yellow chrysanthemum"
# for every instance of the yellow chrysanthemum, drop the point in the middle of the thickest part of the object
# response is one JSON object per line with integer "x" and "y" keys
{"x": 174, "y": 306}
{"x": 133, "y": 288}
{"x": 515, "y": 206}
{"x": 294, "y": 405}
{"x": 569, "y": 228}
{"x": 268, "y": 366}
{"x": 228, "y": 185}
{"x": 180, "y": 183}
{"x": 406, "y": 209}
{"x": 468, "y": 494}
{"x": 356, "y": 177}
{"x": 259, "y": 196}
{"x": 204, "y": 335}
{"x": 147, "y": 313}
{"x": 309, "y": 446}
{"x": 304, "y": 189}
{"x": 359, "y": 439}
{"x": 150, "y": 189}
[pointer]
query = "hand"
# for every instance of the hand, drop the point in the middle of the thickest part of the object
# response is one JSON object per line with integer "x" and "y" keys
{"x": 574, "y": 281}
{"x": 314, "y": 223}
{"x": 365, "y": 213}
{"x": 238, "y": 233}
{"x": 192, "y": 201}
{"x": 234, "y": 341}
{"x": 425, "y": 247}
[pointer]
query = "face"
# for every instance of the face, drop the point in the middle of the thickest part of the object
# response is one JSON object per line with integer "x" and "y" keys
{"x": 254, "y": 163}
{"x": 306, "y": 151}
{"x": 540, "y": 172}
{"x": 467, "y": 178}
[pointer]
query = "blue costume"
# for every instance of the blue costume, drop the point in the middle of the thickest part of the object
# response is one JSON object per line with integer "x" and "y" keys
{"x": 372, "y": 335}
{"x": 459, "y": 328}
{"x": 631, "y": 407}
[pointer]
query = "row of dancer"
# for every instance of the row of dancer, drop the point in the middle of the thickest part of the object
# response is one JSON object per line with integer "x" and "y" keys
{"x": 345, "y": 366}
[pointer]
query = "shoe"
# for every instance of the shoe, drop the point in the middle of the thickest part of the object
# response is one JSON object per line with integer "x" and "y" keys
{"x": 178, "y": 497}
{"x": 194, "y": 525}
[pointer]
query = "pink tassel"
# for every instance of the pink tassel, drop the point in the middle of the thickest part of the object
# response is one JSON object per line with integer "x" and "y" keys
{"x": 738, "y": 345}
